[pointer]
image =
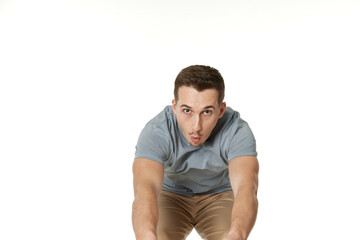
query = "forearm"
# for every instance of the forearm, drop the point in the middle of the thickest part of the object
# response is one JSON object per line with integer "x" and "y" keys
{"x": 244, "y": 213}
{"x": 145, "y": 216}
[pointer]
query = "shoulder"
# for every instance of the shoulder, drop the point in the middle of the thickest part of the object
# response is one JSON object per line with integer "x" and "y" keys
{"x": 237, "y": 138}
{"x": 163, "y": 121}
{"x": 230, "y": 121}
{"x": 160, "y": 128}
{"x": 154, "y": 141}
{"x": 231, "y": 114}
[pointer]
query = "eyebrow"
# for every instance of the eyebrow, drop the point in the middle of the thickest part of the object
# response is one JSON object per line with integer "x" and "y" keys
{"x": 207, "y": 107}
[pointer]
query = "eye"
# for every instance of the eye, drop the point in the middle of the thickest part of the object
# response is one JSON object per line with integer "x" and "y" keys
{"x": 207, "y": 112}
{"x": 187, "y": 111}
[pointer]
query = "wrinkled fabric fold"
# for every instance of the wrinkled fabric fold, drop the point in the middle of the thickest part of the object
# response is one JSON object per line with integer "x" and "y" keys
{"x": 209, "y": 214}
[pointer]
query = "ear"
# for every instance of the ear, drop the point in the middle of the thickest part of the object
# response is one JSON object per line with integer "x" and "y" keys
{"x": 174, "y": 106}
{"x": 222, "y": 109}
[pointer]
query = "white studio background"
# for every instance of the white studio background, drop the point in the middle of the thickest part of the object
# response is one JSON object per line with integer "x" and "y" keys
{"x": 79, "y": 79}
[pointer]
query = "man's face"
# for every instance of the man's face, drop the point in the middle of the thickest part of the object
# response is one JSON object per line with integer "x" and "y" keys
{"x": 197, "y": 113}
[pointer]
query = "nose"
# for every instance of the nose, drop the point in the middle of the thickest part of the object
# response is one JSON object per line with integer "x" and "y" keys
{"x": 197, "y": 124}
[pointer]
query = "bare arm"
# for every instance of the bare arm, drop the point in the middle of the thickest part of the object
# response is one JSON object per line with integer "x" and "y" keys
{"x": 148, "y": 180}
{"x": 243, "y": 173}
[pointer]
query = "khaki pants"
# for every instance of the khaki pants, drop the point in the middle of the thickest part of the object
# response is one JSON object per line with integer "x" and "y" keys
{"x": 209, "y": 214}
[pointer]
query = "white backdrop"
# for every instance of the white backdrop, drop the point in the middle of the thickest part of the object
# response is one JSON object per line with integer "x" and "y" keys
{"x": 79, "y": 79}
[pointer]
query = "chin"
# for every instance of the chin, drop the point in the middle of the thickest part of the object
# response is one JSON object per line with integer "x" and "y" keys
{"x": 195, "y": 144}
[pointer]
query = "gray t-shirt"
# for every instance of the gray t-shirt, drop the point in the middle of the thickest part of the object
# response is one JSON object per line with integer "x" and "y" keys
{"x": 190, "y": 170}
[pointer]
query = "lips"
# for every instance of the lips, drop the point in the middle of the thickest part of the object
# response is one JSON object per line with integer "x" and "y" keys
{"x": 195, "y": 139}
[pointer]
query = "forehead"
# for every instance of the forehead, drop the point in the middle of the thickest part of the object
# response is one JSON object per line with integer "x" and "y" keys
{"x": 191, "y": 97}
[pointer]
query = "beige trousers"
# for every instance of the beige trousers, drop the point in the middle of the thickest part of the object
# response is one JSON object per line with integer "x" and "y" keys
{"x": 209, "y": 214}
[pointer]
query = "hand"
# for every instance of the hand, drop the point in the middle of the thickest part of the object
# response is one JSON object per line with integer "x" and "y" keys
{"x": 233, "y": 237}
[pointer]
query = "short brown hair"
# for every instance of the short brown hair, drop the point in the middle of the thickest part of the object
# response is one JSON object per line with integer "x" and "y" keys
{"x": 200, "y": 77}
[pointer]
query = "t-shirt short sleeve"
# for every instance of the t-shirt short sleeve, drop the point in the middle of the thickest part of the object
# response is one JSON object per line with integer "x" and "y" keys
{"x": 153, "y": 143}
{"x": 242, "y": 142}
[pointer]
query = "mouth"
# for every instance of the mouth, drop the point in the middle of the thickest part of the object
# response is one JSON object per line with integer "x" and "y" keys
{"x": 195, "y": 139}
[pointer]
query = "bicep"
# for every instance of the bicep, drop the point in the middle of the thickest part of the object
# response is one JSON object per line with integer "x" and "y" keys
{"x": 148, "y": 175}
{"x": 243, "y": 172}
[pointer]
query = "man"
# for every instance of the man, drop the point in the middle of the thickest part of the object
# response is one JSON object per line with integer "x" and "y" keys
{"x": 195, "y": 166}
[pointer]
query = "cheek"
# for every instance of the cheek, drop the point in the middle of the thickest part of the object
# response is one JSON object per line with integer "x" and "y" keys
{"x": 211, "y": 124}
{"x": 182, "y": 123}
